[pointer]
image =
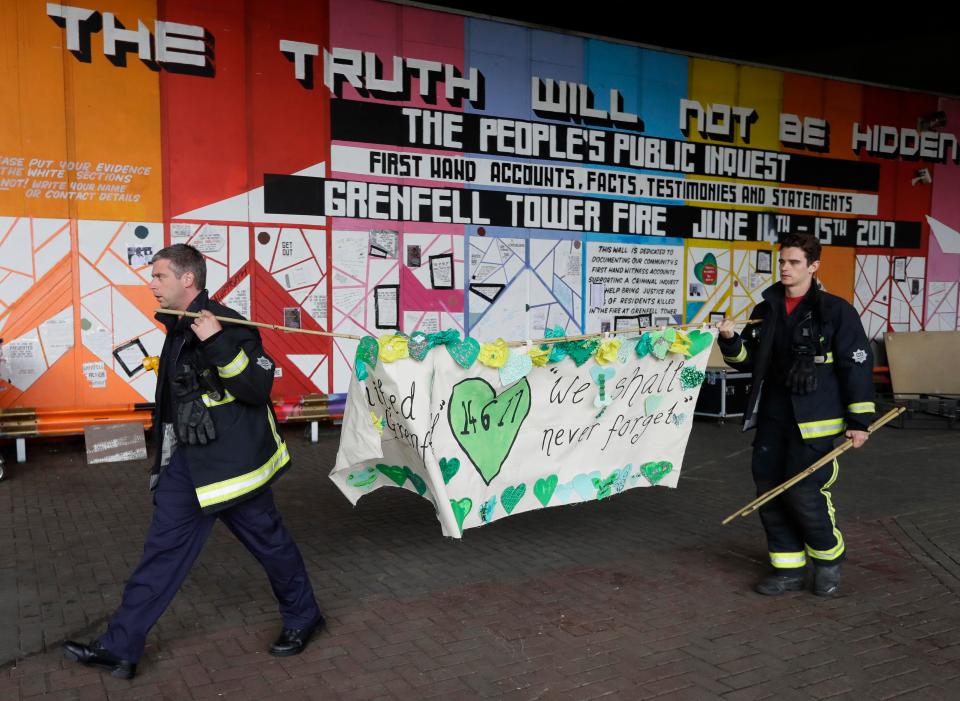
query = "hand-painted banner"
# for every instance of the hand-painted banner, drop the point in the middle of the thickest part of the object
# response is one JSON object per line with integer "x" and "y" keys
{"x": 483, "y": 443}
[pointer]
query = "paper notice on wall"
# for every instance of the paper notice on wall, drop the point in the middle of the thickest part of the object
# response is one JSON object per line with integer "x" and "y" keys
{"x": 210, "y": 239}
{"x": 179, "y": 233}
{"x": 96, "y": 374}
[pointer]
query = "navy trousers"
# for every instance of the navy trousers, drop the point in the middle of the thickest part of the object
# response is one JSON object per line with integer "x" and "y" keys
{"x": 801, "y": 522}
{"x": 175, "y": 538}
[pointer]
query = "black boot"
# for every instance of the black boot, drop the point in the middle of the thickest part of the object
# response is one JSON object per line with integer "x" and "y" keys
{"x": 292, "y": 641}
{"x": 95, "y": 655}
{"x": 826, "y": 580}
{"x": 780, "y": 582}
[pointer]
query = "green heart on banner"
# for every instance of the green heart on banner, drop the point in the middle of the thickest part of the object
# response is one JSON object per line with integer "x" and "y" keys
{"x": 656, "y": 471}
{"x": 651, "y": 404}
{"x": 605, "y": 487}
{"x": 418, "y": 345}
{"x": 486, "y": 424}
{"x": 366, "y": 358}
{"x": 417, "y": 481}
{"x": 544, "y": 489}
{"x": 699, "y": 341}
{"x": 706, "y": 270}
{"x": 394, "y": 472}
{"x": 464, "y": 351}
{"x": 362, "y": 478}
{"x": 448, "y": 468}
{"x": 511, "y": 497}
{"x": 460, "y": 510}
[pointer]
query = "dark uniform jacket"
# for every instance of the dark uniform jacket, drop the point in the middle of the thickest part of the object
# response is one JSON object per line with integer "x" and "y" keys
{"x": 248, "y": 452}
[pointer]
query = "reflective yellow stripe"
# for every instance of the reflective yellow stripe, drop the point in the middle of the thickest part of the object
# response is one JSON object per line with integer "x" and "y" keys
{"x": 837, "y": 550}
{"x": 209, "y": 401}
{"x": 235, "y": 366}
{"x": 232, "y": 488}
{"x": 829, "y": 358}
{"x": 862, "y": 408}
{"x": 788, "y": 560}
{"x": 739, "y": 357}
{"x": 819, "y": 429}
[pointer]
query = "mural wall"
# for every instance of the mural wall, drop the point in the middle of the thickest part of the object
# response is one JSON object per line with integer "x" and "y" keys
{"x": 363, "y": 167}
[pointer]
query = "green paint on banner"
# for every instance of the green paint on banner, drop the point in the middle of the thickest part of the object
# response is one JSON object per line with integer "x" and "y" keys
{"x": 544, "y": 489}
{"x": 486, "y": 424}
{"x": 511, "y": 496}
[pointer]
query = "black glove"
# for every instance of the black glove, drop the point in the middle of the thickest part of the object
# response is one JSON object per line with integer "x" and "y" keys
{"x": 802, "y": 378}
{"x": 194, "y": 424}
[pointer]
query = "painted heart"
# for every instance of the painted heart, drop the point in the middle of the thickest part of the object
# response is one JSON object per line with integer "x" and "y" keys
{"x": 362, "y": 478}
{"x": 418, "y": 345}
{"x": 699, "y": 341}
{"x": 464, "y": 351}
{"x": 656, "y": 471}
{"x": 544, "y": 489}
{"x": 485, "y": 423}
{"x": 511, "y": 496}
{"x": 487, "y": 508}
{"x": 644, "y": 345}
{"x": 366, "y": 358}
{"x": 678, "y": 419}
{"x": 605, "y": 486}
{"x": 621, "y": 481}
{"x": 604, "y": 371}
{"x": 517, "y": 367}
{"x": 448, "y": 468}
{"x": 601, "y": 376}
{"x": 662, "y": 342}
{"x": 417, "y": 481}
{"x": 690, "y": 377}
{"x": 627, "y": 348}
{"x": 461, "y": 508}
{"x": 394, "y": 472}
{"x": 651, "y": 404}
{"x": 706, "y": 270}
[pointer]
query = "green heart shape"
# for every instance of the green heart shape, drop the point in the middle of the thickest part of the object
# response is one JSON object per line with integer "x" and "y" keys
{"x": 417, "y": 481}
{"x": 395, "y": 472}
{"x": 511, "y": 496}
{"x": 699, "y": 341}
{"x": 604, "y": 488}
{"x": 461, "y": 509}
{"x": 418, "y": 346}
{"x": 652, "y": 403}
{"x": 656, "y": 471}
{"x": 486, "y": 424}
{"x": 702, "y": 270}
{"x": 464, "y": 351}
{"x": 367, "y": 352}
{"x": 448, "y": 468}
{"x": 544, "y": 489}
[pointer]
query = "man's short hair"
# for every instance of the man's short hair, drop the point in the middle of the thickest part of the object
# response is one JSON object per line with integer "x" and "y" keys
{"x": 184, "y": 258}
{"x": 807, "y": 242}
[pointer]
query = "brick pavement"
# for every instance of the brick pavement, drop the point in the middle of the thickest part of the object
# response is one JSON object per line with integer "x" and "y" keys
{"x": 642, "y": 596}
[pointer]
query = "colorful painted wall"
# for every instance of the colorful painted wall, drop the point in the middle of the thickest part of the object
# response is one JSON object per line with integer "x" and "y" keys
{"x": 361, "y": 167}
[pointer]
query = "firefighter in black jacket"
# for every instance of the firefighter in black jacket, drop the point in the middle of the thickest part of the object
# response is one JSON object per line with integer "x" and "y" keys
{"x": 812, "y": 381}
{"x": 218, "y": 452}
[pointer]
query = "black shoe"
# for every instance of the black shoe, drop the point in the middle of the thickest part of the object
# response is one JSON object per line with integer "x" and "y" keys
{"x": 777, "y": 584}
{"x": 826, "y": 580}
{"x": 292, "y": 641}
{"x": 94, "y": 655}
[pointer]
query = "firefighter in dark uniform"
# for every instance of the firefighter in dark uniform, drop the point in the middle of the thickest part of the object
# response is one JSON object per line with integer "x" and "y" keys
{"x": 218, "y": 453}
{"x": 812, "y": 381}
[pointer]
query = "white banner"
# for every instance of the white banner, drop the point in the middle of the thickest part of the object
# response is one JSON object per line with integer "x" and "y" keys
{"x": 484, "y": 443}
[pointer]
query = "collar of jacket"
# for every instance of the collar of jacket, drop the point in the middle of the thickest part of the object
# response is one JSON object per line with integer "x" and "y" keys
{"x": 776, "y": 293}
{"x": 179, "y": 324}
